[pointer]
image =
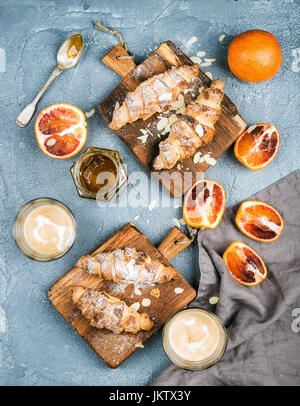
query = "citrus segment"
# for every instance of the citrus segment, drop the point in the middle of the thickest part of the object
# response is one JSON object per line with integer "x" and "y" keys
{"x": 204, "y": 204}
{"x": 257, "y": 146}
{"x": 244, "y": 264}
{"x": 61, "y": 130}
{"x": 259, "y": 221}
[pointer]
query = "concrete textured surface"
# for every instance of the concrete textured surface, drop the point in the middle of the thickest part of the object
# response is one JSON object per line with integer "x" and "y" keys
{"x": 37, "y": 347}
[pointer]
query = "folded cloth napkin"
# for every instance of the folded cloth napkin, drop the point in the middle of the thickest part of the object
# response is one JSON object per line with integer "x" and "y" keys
{"x": 262, "y": 322}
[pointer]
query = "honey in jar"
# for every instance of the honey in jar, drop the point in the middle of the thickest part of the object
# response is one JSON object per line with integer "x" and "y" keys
{"x": 98, "y": 172}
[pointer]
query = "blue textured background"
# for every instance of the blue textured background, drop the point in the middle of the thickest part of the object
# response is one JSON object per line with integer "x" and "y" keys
{"x": 37, "y": 347}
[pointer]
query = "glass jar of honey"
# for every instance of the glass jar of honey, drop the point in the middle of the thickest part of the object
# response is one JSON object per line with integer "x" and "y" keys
{"x": 99, "y": 173}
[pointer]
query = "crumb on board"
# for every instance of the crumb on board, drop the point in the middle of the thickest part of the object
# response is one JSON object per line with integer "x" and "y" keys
{"x": 155, "y": 292}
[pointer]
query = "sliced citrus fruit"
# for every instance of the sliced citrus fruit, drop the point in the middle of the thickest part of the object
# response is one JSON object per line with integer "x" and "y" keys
{"x": 257, "y": 146}
{"x": 244, "y": 264}
{"x": 259, "y": 221}
{"x": 61, "y": 130}
{"x": 204, "y": 204}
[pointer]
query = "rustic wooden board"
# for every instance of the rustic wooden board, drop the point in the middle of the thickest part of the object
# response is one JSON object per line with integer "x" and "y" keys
{"x": 116, "y": 348}
{"x": 228, "y": 128}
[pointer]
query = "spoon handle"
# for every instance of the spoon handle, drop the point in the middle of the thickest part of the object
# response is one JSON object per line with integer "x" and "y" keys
{"x": 26, "y": 114}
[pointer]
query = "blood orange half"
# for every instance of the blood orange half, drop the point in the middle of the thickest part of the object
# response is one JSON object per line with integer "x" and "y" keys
{"x": 257, "y": 146}
{"x": 61, "y": 130}
{"x": 244, "y": 264}
{"x": 259, "y": 221}
{"x": 204, "y": 204}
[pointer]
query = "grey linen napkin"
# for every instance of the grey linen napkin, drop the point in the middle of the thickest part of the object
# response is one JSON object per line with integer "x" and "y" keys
{"x": 263, "y": 322}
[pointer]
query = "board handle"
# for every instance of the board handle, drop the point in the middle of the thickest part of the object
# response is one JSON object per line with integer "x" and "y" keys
{"x": 168, "y": 247}
{"x": 115, "y": 61}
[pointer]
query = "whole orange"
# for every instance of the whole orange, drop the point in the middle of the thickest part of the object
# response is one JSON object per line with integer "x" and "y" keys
{"x": 254, "y": 56}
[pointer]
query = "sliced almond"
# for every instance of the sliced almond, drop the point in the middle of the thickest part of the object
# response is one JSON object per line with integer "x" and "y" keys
{"x": 135, "y": 306}
{"x": 213, "y": 300}
{"x": 192, "y": 40}
{"x": 205, "y": 64}
{"x": 199, "y": 130}
{"x": 89, "y": 114}
{"x": 152, "y": 205}
{"x": 209, "y": 74}
{"x": 221, "y": 37}
{"x": 162, "y": 123}
{"x": 195, "y": 59}
{"x": 117, "y": 106}
{"x": 209, "y": 60}
{"x": 201, "y": 53}
{"x": 197, "y": 157}
{"x": 178, "y": 290}
{"x": 146, "y": 302}
{"x": 139, "y": 345}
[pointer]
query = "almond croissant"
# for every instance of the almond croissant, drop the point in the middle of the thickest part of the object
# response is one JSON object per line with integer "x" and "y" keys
{"x": 105, "y": 311}
{"x": 186, "y": 135}
{"x": 154, "y": 95}
{"x": 127, "y": 266}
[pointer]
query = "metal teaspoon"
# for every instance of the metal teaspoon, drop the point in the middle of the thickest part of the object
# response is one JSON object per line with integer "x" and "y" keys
{"x": 67, "y": 57}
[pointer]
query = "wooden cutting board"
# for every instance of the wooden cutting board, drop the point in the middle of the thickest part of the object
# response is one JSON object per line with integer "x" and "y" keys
{"x": 116, "y": 348}
{"x": 228, "y": 128}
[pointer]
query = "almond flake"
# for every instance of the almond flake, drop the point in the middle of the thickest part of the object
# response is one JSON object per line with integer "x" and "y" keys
{"x": 178, "y": 290}
{"x": 139, "y": 345}
{"x": 135, "y": 306}
{"x": 146, "y": 302}
{"x": 192, "y": 40}
{"x": 162, "y": 123}
{"x": 209, "y": 60}
{"x": 195, "y": 59}
{"x": 89, "y": 114}
{"x": 199, "y": 130}
{"x": 51, "y": 142}
{"x": 213, "y": 300}
{"x": 177, "y": 222}
{"x": 201, "y": 53}
{"x": 211, "y": 161}
{"x": 136, "y": 217}
{"x": 182, "y": 221}
{"x": 221, "y": 37}
{"x": 205, "y": 64}
{"x": 197, "y": 157}
{"x": 117, "y": 106}
{"x": 152, "y": 205}
{"x": 209, "y": 74}
{"x": 143, "y": 138}
{"x": 172, "y": 119}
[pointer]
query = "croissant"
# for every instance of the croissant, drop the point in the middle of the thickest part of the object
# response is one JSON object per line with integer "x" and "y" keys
{"x": 105, "y": 311}
{"x": 154, "y": 95}
{"x": 127, "y": 266}
{"x": 193, "y": 129}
